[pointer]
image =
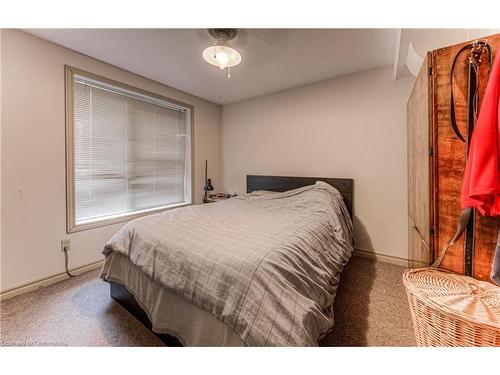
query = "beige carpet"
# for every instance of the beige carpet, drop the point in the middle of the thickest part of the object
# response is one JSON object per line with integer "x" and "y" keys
{"x": 370, "y": 310}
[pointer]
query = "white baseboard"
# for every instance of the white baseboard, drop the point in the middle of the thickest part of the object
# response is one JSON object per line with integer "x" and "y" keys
{"x": 92, "y": 266}
{"x": 381, "y": 257}
{"x": 49, "y": 280}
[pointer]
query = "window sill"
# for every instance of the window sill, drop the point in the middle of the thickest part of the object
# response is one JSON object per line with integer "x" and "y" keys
{"x": 120, "y": 218}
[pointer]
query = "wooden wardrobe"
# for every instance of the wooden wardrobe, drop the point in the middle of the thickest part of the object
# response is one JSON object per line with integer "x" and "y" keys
{"x": 436, "y": 163}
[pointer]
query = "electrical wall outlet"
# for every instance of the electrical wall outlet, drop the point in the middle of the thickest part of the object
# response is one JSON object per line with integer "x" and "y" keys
{"x": 65, "y": 245}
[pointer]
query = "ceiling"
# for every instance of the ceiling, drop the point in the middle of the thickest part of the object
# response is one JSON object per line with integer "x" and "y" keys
{"x": 273, "y": 59}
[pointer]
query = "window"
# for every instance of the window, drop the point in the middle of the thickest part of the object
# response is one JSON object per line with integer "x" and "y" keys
{"x": 128, "y": 151}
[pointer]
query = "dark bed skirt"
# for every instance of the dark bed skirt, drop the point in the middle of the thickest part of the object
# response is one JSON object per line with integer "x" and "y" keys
{"x": 121, "y": 295}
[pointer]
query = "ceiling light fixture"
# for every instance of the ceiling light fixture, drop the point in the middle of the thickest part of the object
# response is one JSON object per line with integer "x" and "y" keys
{"x": 222, "y": 54}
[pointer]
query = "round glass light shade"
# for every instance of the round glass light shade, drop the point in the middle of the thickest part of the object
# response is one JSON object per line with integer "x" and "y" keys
{"x": 221, "y": 55}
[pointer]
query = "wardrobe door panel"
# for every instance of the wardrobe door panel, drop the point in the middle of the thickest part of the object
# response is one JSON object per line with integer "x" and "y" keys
{"x": 419, "y": 253}
{"x": 450, "y": 159}
{"x": 418, "y": 133}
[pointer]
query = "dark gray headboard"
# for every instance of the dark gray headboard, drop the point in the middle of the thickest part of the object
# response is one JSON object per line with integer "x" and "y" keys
{"x": 283, "y": 183}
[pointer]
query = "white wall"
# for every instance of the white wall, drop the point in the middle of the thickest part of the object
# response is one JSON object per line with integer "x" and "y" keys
{"x": 1, "y": 117}
{"x": 33, "y": 162}
{"x": 352, "y": 126}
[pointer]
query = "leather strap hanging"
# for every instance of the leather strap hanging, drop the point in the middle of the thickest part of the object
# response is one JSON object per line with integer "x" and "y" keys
{"x": 477, "y": 48}
{"x": 466, "y": 220}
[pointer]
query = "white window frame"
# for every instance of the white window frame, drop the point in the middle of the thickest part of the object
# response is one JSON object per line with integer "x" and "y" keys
{"x": 71, "y": 225}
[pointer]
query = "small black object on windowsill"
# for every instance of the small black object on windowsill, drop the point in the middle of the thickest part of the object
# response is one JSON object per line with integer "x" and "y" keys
{"x": 208, "y": 184}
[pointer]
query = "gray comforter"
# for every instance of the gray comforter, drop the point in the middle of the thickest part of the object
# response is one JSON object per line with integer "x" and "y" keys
{"x": 265, "y": 264}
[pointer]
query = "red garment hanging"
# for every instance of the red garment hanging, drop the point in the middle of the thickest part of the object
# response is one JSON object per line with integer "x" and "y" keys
{"x": 481, "y": 184}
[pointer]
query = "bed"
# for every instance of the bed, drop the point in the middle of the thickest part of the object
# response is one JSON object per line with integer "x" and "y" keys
{"x": 261, "y": 269}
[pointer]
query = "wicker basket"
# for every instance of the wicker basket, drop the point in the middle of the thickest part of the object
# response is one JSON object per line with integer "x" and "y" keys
{"x": 452, "y": 310}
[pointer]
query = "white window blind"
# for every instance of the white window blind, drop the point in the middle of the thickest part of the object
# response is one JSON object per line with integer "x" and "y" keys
{"x": 131, "y": 152}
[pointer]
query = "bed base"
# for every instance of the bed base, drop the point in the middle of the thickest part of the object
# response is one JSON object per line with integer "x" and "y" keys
{"x": 121, "y": 295}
